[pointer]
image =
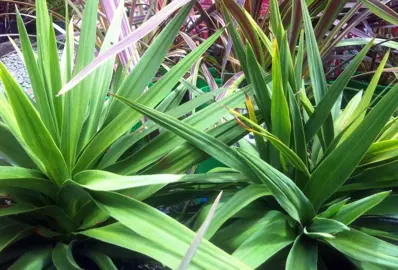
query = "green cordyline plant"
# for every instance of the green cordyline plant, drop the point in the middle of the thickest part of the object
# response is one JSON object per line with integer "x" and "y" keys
{"x": 74, "y": 177}
{"x": 320, "y": 180}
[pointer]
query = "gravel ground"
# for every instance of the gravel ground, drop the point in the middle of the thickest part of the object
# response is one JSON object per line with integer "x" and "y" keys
{"x": 17, "y": 69}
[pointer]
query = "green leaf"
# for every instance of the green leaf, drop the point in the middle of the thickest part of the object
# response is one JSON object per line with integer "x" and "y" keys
{"x": 11, "y": 149}
{"x": 106, "y": 181}
{"x": 234, "y": 204}
{"x": 63, "y": 258}
{"x": 233, "y": 235}
{"x": 12, "y": 233}
{"x": 204, "y": 118}
{"x": 33, "y": 130}
{"x": 381, "y": 151}
{"x": 199, "y": 235}
{"x": 329, "y": 99}
{"x": 325, "y": 225}
{"x": 300, "y": 145}
{"x": 384, "y": 172}
{"x": 238, "y": 46}
{"x": 265, "y": 243}
{"x": 317, "y": 75}
{"x": 255, "y": 73}
{"x": 276, "y": 21}
{"x": 343, "y": 120}
{"x": 280, "y": 116}
{"x": 363, "y": 247}
{"x": 151, "y": 98}
{"x": 288, "y": 195}
{"x": 200, "y": 139}
{"x": 102, "y": 260}
{"x": 340, "y": 163}
{"x": 149, "y": 64}
{"x": 315, "y": 65}
{"x": 101, "y": 78}
{"x": 289, "y": 154}
{"x": 381, "y": 10}
{"x": 53, "y": 211}
{"x": 360, "y": 112}
{"x": 333, "y": 209}
{"x": 43, "y": 99}
{"x": 119, "y": 235}
{"x": 25, "y": 178}
{"x": 387, "y": 207}
{"x": 303, "y": 255}
{"x": 162, "y": 230}
{"x": 34, "y": 259}
{"x": 77, "y": 101}
{"x": 350, "y": 212}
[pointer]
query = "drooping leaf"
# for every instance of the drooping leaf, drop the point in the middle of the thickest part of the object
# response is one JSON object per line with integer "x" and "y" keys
{"x": 237, "y": 202}
{"x": 62, "y": 257}
{"x": 162, "y": 230}
{"x": 37, "y": 258}
{"x": 264, "y": 243}
{"x": 363, "y": 247}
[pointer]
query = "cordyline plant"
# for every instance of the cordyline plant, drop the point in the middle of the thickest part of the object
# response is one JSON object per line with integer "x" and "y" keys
{"x": 334, "y": 22}
{"x": 62, "y": 201}
{"x": 319, "y": 180}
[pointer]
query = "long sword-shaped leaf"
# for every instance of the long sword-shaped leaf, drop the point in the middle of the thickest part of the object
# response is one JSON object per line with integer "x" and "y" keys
{"x": 38, "y": 258}
{"x": 350, "y": 212}
{"x": 263, "y": 98}
{"x": 12, "y": 233}
{"x": 303, "y": 255}
{"x": 366, "y": 248}
{"x": 101, "y": 79}
{"x": 241, "y": 199}
{"x": 33, "y": 130}
{"x": 24, "y": 178}
{"x": 360, "y": 111}
{"x": 62, "y": 257}
{"x": 162, "y": 230}
{"x": 317, "y": 74}
{"x": 136, "y": 35}
{"x": 329, "y": 99}
{"x": 265, "y": 243}
{"x": 44, "y": 106}
{"x": 200, "y": 139}
{"x": 77, "y": 101}
{"x": 151, "y": 98}
{"x": 382, "y": 11}
{"x": 146, "y": 69}
{"x": 280, "y": 116}
{"x": 336, "y": 168}
{"x": 11, "y": 150}
{"x": 199, "y": 235}
{"x": 288, "y": 195}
